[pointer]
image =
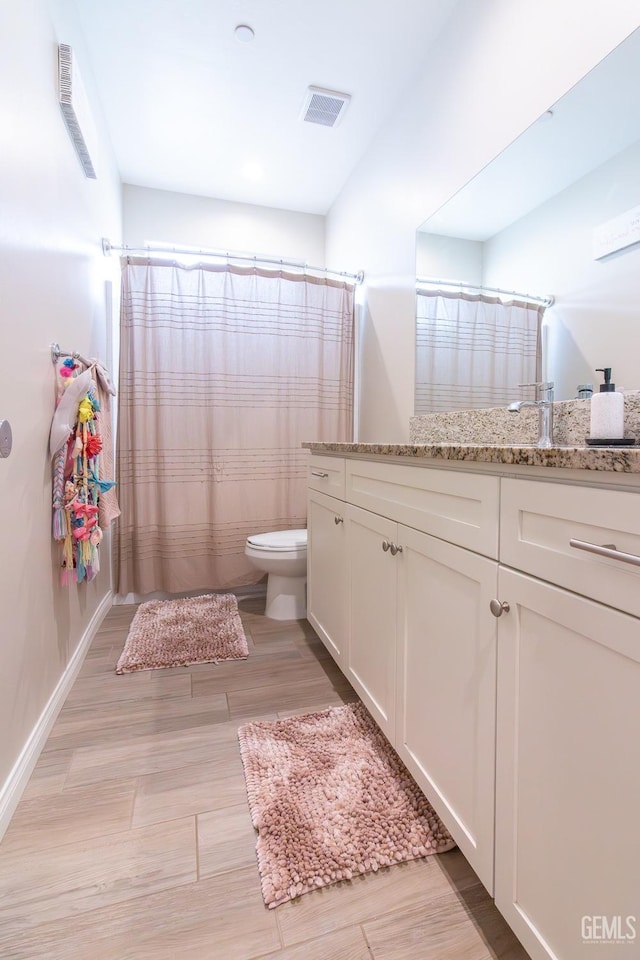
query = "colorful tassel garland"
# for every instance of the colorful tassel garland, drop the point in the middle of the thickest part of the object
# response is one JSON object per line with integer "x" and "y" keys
{"x": 76, "y": 490}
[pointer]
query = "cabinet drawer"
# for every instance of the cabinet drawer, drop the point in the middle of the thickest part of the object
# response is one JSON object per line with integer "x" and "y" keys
{"x": 326, "y": 474}
{"x": 460, "y": 508}
{"x": 538, "y": 521}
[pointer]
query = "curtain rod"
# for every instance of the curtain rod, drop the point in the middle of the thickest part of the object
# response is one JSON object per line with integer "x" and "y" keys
{"x": 428, "y": 281}
{"x": 108, "y": 248}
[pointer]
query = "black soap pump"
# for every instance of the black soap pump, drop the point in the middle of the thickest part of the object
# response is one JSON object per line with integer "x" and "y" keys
{"x": 607, "y": 411}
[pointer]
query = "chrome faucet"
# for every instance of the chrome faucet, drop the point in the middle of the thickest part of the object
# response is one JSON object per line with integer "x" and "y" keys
{"x": 545, "y": 411}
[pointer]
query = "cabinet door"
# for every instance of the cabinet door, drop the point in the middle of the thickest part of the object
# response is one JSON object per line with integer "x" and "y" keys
{"x": 327, "y": 585}
{"x": 568, "y": 777}
{"x": 372, "y": 636}
{"x": 447, "y": 687}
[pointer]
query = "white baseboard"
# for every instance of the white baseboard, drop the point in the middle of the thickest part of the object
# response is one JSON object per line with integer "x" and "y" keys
{"x": 18, "y": 778}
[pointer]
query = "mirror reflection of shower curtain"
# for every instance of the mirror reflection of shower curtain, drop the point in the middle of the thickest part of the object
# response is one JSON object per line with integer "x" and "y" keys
{"x": 224, "y": 372}
{"x": 472, "y": 350}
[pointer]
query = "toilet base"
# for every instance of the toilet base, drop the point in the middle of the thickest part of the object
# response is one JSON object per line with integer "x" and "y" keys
{"x": 286, "y": 598}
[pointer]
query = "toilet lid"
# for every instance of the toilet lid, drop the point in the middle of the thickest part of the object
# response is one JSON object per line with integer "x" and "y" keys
{"x": 279, "y": 539}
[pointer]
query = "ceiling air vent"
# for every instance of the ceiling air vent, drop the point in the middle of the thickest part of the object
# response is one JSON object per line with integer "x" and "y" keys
{"x": 325, "y": 107}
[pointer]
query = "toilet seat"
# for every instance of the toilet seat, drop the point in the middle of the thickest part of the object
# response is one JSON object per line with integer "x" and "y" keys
{"x": 279, "y": 541}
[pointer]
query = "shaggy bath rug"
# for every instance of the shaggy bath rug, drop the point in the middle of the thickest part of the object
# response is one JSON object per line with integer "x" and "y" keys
{"x": 330, "y": 799}
{"x": 176, "y": 633}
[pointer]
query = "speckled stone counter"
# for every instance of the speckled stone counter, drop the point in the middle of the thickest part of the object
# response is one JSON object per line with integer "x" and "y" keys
{"x": 612, "y": 459}
{"x": 497, "y": 436}
{"x": 498, "y": 425}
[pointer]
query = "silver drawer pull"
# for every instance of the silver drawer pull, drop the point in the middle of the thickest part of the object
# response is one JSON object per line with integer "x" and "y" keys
{"x": 395, "y": 548}
{"x": 386, "y": 545}
{"x": 319, "y": 473}
{"x": 606, "y": 550}
{"x": 338, "y": 519}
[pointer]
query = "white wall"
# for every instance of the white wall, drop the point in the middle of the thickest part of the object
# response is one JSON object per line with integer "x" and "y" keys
{"x": 182, "y": 219}
{"x": 595, "y": 321}
{"x": 496, "y": 67}
{"x": 448, "y": 258}
{"x": 52, "y": 283}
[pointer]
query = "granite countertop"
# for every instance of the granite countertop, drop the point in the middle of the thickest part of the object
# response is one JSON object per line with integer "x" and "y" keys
{"x": 612, "y": 459}
{"x": 495, "y": 435}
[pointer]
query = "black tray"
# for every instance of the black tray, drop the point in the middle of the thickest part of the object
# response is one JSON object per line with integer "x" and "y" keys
{"x": 603, "y": 442}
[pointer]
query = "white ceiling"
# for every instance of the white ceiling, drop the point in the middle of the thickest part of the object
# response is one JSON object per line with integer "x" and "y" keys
{"x": 191, "y": 109}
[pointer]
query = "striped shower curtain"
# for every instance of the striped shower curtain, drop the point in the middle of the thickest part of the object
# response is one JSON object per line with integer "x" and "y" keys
{"x": 473, "y": 350}
{"x": 225, "y": 370}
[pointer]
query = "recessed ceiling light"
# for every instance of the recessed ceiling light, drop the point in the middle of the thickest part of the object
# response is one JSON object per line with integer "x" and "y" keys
{"x": 244, "y": 34}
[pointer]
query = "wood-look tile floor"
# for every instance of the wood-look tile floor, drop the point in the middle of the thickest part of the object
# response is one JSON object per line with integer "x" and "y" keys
{"x": 133, "y": 840}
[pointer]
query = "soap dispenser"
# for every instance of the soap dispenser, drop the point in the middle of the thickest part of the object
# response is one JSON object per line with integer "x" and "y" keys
{"x": 607, "y": 411}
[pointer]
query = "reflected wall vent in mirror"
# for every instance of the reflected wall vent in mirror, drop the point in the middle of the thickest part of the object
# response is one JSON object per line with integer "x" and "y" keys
{"x": 326, "y": 107}
{"x": 617, "y": 234}
{"x": 75, "y": 107}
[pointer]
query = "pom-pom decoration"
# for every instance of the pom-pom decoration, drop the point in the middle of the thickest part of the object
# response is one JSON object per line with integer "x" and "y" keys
{"x": 85, "y": 410}
{"x": 93, "y": 446}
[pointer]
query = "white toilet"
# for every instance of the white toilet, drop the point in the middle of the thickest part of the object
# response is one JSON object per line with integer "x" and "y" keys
{"x": 283, "y": 555}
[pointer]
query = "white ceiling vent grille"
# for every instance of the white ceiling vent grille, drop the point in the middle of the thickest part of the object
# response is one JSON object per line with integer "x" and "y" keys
{"x": 75, "y": 107}
{"x": 325, "y": 107}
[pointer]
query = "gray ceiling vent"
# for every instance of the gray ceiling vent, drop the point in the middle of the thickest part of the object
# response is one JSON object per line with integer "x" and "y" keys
{"x": 75, "y": 107}
{"x": 325, "y": 107}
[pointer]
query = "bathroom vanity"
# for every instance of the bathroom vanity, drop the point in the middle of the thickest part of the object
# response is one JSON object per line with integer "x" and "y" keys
{"x": 485, "y": 604}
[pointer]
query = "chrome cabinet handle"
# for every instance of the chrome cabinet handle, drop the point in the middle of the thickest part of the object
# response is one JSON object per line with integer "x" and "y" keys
{"x": 606, "y": 550}
{"x": 338, "y": 520}
{"x": 497, "y": 608}
{"x": 319, "y": 473}
{"x": 386, "y": 545}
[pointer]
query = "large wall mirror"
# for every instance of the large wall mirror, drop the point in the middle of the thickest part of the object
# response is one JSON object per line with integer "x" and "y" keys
{"x": 529, "y": 220}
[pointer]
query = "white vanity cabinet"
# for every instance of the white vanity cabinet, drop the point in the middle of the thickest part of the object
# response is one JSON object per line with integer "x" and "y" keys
{"x": 568, "y": 721}
{"x": 327, "y": 608}
{"x": 446, "y": 683}
{"x": 422, "y": 657}
{"x": 520, "y": 723}
{"x": 327, "y": 584}
{"x": 420, "y": 649}
{"x": 567, "y": 788}
{"x": 373, "y": 591}
{"x": 428, "y": 604}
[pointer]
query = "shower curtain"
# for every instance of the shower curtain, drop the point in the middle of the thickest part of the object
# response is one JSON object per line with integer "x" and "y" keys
{"x": 473, "y": 350}
{"x": 225, "y": 370}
